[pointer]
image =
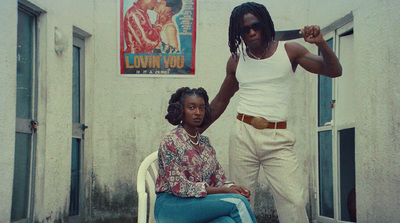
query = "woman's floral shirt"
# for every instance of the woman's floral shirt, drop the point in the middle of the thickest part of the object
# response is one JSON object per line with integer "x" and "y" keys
{"x": 185, "y": 172}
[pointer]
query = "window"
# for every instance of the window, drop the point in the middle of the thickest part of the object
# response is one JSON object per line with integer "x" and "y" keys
{"x": 25, "y": 136}
{"x": 335, "y": 176}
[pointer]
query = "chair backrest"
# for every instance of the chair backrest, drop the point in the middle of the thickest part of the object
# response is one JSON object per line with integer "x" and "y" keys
{"x": 147, "y": 174}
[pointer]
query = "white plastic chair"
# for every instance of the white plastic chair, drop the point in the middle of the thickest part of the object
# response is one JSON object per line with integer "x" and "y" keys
{"x": 147, "y": 173}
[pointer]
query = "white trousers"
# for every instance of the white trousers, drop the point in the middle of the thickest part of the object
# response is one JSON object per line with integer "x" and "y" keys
{"x": 250, "y": 148}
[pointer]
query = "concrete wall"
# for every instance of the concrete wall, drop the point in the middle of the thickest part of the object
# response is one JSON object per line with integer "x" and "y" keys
{"x": 53, "y": 152}
{"x": 378, "y": 144}
{"x": 125, "y": 115}
{"x": 8, "y": 58}
{"x": 54, "y": 105}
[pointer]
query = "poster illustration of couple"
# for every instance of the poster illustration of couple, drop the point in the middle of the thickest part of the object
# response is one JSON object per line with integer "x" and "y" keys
{"x": 157, "y": 37}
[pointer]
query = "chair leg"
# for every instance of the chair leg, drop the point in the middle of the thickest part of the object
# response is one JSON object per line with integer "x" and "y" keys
{"x": 142, "y": 208}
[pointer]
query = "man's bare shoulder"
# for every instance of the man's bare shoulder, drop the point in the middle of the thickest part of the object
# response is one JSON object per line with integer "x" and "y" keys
{"x": 233, "y": 59}
{"x": 293, "y": 46}
{"x": 231, "y": 65}
{"x": 295, "y": 50}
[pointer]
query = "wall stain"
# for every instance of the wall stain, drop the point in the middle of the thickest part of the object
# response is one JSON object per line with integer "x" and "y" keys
{"x": 264, "y": 209}
{"x": 60, "y": 216}
{"x": 119, "y": 206}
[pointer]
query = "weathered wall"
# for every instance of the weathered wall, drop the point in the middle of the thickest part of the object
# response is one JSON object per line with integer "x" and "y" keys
{"x": 54, "y": 105}
{"x": 53, "y": 151}
{"x": 125, "y": 115}
{"x": 8, "y": 58}
{"x": 378, "y": 141}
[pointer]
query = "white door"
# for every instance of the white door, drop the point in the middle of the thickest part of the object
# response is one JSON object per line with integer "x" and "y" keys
{"x": 335, "y": 165}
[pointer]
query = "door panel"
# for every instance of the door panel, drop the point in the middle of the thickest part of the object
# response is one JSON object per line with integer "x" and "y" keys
{"x": 25, "y": 126}
{"x": 336, "y": 138}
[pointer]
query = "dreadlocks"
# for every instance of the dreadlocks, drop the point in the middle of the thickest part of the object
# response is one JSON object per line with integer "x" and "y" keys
{"x": 236, "y": 18}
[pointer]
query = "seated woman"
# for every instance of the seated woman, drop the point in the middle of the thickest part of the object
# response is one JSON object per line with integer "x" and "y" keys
{"x": 191, "y": 186}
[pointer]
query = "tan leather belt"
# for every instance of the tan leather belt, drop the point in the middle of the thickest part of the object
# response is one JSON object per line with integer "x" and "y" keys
{"x": 260, "y": 122}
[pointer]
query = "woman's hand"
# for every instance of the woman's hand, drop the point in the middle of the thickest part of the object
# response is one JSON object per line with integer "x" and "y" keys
{"x": 229, "y": 190}
{"x": 241, "y": 190}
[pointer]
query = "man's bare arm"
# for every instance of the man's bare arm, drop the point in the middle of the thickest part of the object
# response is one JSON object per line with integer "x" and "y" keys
{"x": 226, "y": 92}
{"x": 327, "y": 64}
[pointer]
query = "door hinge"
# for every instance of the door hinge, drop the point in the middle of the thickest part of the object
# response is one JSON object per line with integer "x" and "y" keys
{"x": 84, "y": 127}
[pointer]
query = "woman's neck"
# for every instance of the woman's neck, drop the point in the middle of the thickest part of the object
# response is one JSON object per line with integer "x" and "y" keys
{"x": 190, "y": 129}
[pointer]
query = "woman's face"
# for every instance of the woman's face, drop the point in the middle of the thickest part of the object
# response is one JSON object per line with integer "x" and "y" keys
{"x": 194, "y": 109}
{"x": 161, "y": 7}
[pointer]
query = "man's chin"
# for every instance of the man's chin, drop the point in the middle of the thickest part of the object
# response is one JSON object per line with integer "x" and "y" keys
{"x": 255, "y": 43}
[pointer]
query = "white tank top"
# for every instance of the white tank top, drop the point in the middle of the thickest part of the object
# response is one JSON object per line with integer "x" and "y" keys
{"x": 265, "y": 85}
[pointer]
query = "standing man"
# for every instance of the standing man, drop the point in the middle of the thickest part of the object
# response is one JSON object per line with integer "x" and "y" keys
{"x": 141, "y": 36}
{"x": 262, "y": 71}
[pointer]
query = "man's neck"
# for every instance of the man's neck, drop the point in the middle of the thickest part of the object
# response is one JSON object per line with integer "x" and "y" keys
{"x": 259, "y": 49}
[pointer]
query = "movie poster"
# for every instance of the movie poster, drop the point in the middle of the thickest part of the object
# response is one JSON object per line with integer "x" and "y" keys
{"x": 157, "y": 37}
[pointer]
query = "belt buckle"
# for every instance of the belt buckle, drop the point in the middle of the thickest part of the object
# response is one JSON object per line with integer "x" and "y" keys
{"x": 259, "y": 122}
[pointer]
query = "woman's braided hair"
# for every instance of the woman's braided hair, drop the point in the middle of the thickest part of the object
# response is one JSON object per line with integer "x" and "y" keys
{"x": 236, "y": 18}
{"x": 175, "y": 108}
